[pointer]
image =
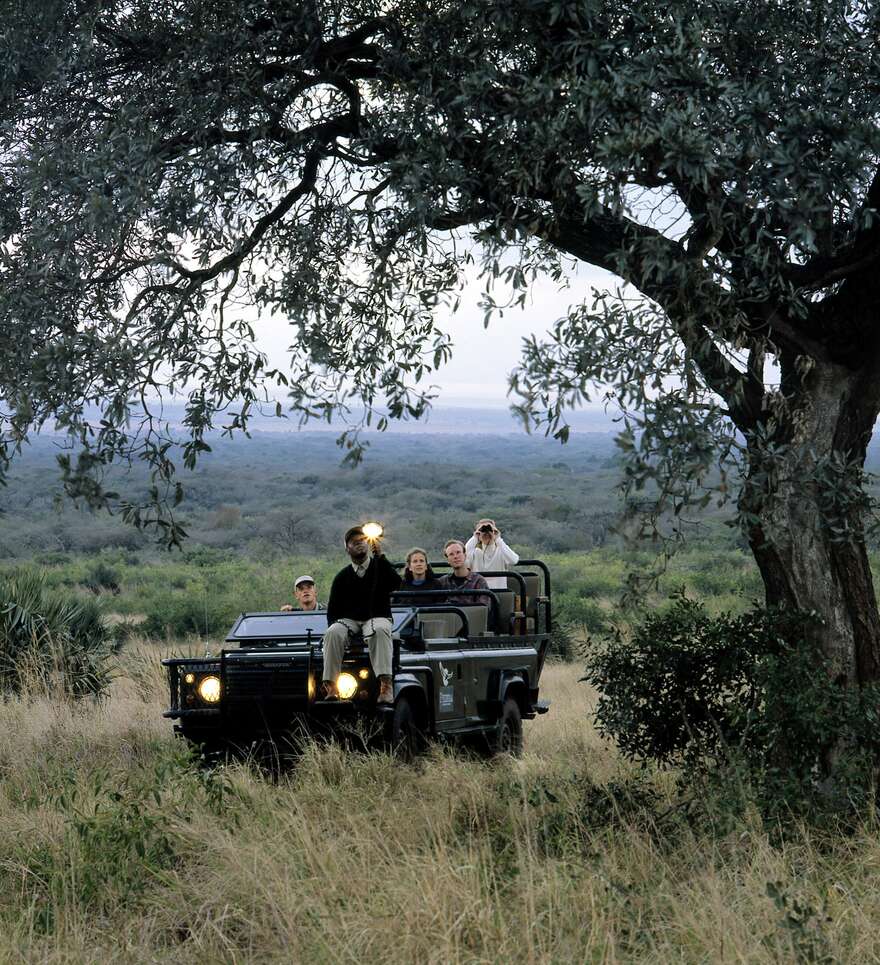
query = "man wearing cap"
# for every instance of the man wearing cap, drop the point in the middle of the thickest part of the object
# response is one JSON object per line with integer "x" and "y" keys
{"x": 360, "y": 601}
{"x": 306, "y": 595}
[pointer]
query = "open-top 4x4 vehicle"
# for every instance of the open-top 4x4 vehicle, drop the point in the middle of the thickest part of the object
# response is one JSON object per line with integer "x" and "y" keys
{"x": 460, "y": 672}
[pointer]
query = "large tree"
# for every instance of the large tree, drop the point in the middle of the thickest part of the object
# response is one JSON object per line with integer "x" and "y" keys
{"x": 341, "y": 165}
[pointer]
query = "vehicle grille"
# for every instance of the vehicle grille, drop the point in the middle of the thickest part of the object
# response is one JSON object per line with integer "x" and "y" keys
{"x": 266, "y": 682}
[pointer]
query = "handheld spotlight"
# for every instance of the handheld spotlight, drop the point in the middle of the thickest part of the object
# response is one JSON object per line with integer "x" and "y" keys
{"x": 373, "y": 531}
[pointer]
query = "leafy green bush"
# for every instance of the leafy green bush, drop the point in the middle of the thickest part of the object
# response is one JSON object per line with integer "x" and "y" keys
{"x": 190, "y": 613}
{"x": 48, "y": 638}
{"x": 563, "y": 645}
{"x": 101, "y": 576}
{"x": 749, "y": 692}
{"x": 586, "y": 615}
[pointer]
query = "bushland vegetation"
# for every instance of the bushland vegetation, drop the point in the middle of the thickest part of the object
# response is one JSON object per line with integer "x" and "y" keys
{"x": 282, "y": 493}
{"x": 586, "y": 849}
{"x": 260, "y": 511}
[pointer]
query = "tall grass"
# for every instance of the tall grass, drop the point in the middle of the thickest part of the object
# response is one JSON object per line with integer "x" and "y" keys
{"x": 114, "y": 846}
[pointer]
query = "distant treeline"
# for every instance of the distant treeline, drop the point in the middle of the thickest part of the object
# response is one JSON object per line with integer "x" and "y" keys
{"x": 287, "y": 493}
{"x": 283, "y": 493}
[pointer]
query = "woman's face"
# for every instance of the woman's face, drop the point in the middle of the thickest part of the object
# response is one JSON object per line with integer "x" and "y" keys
{"x": 418, "y": 565}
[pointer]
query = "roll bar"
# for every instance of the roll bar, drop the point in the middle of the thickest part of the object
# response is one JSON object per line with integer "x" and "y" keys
{"x": 542, "y": 566}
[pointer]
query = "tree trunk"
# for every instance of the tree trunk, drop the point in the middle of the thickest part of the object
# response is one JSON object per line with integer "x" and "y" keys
{"x": 806, "y": 516}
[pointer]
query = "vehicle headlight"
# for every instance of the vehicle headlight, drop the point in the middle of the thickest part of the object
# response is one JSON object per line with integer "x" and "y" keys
{"x": 209, "y": 689}
{"x": 346, "y": 686}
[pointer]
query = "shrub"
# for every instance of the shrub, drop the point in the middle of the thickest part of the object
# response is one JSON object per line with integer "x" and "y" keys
{"x": 52, "y": 639}
{"x": 563, "y": 645}
{"x": 192, "y": 612}
{"x": 584, "y": 614}
{"x": 100, "y": 576}
{"x": 203, "y": 556}
{"x": 750, "y": 693}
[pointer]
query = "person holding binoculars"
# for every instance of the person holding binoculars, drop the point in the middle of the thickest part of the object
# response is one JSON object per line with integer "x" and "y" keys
{"x": 486, "y": 550}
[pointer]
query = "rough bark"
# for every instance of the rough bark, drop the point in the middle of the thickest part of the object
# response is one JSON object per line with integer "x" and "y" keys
{"x": 798, "y": 509}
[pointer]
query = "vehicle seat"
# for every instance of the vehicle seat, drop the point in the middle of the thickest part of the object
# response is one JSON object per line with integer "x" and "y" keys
{"x": 438, "y": 626}
{"x": 477, "y": 617}
{"x": 506, "y": 602}
{"x": 533, "y": 591}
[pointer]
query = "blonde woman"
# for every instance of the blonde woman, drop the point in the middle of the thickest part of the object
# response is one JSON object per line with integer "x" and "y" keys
{"x": 486, "y": 550}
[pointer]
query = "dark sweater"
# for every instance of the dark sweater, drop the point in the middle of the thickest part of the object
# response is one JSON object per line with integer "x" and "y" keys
{"x": 431, "y": 583}
{"x": 362, "y": 597}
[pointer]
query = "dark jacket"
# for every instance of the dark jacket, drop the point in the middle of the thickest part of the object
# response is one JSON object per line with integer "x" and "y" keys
{"x": 362, "y": 597}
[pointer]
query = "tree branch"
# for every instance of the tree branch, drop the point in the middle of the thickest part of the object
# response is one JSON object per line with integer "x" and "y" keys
{"x": 237, "y": 256}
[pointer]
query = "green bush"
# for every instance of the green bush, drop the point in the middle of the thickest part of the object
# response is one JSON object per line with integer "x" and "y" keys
{"x": 563, "y": 645}
{"x": 115, "y": 845}
{"x": 49, "y": 638}
{"x": 190, "y": 613}
{"x": 100, "y": 576}
{"x": 584, "y": 614}
{"x": 749, "y": 692}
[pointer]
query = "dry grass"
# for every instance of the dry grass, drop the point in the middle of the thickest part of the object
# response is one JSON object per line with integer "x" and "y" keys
{"x": 112, "y": 846}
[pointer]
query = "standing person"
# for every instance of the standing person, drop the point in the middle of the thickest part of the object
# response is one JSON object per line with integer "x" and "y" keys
{"x": 418, "y": 574}
{"x": 486, "y": 550}
{"x": 360, "y": 600}
{"x": 462, "y": 576}
{"x": 306, "y": 593}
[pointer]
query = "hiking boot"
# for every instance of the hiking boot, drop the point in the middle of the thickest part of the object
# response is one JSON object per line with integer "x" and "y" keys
{"x": 386, "y": 690}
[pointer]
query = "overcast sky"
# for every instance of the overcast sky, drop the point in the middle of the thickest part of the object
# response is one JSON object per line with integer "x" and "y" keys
{"x": 481, "y": 358}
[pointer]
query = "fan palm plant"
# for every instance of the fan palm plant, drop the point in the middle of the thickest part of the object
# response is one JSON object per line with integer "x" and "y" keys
{"x": 50, "y": 640}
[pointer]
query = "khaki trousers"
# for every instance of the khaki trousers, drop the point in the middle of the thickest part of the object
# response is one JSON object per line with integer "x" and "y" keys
{"x": 377, "y": 636}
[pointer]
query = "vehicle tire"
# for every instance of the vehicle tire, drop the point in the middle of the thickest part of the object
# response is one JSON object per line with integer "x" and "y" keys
{"x": 508, "y": 736}
{"x": 405, "y": 736}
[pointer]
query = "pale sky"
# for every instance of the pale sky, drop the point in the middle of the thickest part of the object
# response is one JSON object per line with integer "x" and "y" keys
{"x": 481, "y": 358}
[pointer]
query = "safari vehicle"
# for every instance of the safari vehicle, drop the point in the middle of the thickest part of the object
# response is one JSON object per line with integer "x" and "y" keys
{"x": 460, "y": 672}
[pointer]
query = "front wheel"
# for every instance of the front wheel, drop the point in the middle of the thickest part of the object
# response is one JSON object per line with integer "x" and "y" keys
{"x": 405, "y": 735}
{"x": 508, "y": 736}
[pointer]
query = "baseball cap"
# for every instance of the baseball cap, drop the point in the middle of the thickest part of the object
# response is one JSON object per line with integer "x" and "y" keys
{"x": 353, "y": 531}
{"x": 303, "y": 579}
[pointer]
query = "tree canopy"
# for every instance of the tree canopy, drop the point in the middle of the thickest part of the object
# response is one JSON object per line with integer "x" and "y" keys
{"x": 342, "y": 164}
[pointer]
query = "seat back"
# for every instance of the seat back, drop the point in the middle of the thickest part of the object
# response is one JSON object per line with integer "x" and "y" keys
{"x": 477, "y": 617}
{"x": 533, "y": 591}
{"x": 438, "y": 626}
{"x": 506, "y": 604}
